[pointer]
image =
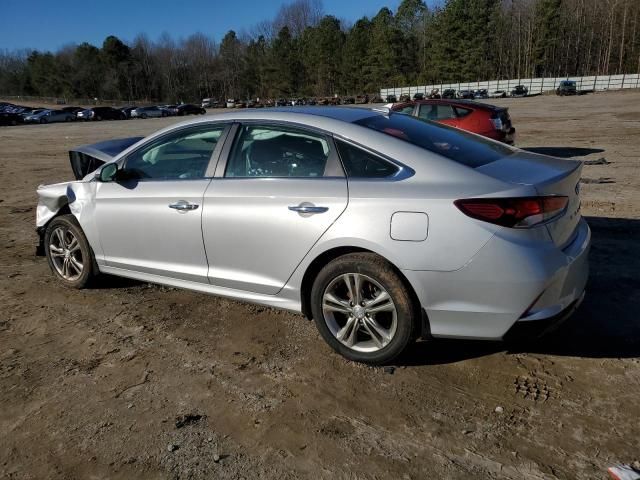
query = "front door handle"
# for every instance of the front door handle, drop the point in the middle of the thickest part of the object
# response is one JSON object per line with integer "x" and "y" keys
{"x": 183, "y": 206}
{"x": 306, "y": 208}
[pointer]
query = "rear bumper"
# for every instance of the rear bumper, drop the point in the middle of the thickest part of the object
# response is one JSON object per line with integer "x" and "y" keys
{"x": 513, "y": 279}
{"x": 525, "y": 329}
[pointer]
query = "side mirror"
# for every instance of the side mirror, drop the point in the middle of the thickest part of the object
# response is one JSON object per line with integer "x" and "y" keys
{"x": 108, "y": 173}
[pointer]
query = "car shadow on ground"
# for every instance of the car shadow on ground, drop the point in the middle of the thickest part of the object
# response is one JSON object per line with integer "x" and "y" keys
{"x": 607, "y": 324}
{"x": 564, "y": 152}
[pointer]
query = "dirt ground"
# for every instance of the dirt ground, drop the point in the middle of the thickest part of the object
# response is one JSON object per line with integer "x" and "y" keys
{"x": 135, "y": 381}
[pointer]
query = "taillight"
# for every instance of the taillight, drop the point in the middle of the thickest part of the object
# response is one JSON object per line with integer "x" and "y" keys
{"x": 497, "y": 123}
{"x": 518, "y": 212}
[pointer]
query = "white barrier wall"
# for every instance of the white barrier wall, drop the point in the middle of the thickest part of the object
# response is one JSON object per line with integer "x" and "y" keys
{"x": 535, "y": 85}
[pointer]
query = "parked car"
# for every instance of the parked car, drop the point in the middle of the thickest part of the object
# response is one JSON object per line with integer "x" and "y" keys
{"x": 73, "y": 110}
{"x": 392, "y": 99}
{"x": 171, "y": 110}
{"x": 498, "y": 94}
{"x": 27, "y": 112}
{"x": 348, "y": 100}
{"x": 466, "y": 94}
{"x": 101, "y": 113}
{"x": 449, "y": 93}
{"x": 418, "y": 96}
{"x": 190, "y": 109}
{"x": 127, "y": 111}
{"x": 148, "y": 112}
{"x": 567, "y": 87}
{"x": 444, "y": 233}
{"x": 435, "y": 93}
{"x": 212, "y": 103}
{"x": 520, "y": 91}
{"x": 376, "y": 99}
{"x": 231, "y": 103}
{"x": 49, "y": 116}
{"x": 480, "y": 94}
{"x": 481, "y": 118}
{"x": 362, "y": 99}
{"x": 7, "y": 118}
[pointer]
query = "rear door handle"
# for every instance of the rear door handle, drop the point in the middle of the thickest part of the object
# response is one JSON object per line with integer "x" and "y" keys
{"x": 183, "y": 206}
{"x": 308, "y": 209}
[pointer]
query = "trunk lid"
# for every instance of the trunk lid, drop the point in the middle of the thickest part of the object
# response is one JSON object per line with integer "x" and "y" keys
{"x": 549, "y": 176}
{"x": 87, "y": 158}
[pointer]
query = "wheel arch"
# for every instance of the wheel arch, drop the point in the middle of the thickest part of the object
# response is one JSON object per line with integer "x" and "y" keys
{"x": 331, "y": 254}
{"x": 41, "y": 229}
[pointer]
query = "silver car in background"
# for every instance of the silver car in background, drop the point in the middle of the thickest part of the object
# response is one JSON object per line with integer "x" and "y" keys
{"x": 148, "y": 112}
{"x": 381, "y": 227}
{"x": 50, "y": 116}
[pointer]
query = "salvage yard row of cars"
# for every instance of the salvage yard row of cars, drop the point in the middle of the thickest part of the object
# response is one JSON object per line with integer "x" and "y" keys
{"x": 11, "y": 114}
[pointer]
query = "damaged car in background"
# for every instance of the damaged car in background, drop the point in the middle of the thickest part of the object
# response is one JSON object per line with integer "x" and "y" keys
{"x": 382, "y": 227}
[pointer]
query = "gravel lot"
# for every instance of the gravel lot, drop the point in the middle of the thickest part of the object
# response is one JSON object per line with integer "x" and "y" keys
{"x": 130, "y": 380}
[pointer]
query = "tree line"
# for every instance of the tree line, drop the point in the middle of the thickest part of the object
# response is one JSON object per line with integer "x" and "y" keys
{"x": 305, "y": 52}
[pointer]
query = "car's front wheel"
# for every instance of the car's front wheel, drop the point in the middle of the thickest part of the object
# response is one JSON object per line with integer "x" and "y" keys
{"x": 363, "y": 308}
{"x": 68, "y": 252}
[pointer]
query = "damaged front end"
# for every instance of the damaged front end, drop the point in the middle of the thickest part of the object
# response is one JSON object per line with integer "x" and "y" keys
{"x": 71, "y": 197}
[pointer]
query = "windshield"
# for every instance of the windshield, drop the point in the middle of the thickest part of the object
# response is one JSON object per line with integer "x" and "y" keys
{"x": 462, "y": 147}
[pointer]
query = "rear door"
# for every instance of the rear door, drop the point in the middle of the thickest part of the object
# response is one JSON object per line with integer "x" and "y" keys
{"x": 280, "y": 188}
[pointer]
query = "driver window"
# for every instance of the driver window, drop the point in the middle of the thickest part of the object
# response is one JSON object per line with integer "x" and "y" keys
{"x": 183, "y": 155}
{"x": 274, "y": 151}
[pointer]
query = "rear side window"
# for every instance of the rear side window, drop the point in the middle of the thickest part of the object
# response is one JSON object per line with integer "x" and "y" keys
{"x": 359, "y": 163}
{"x": 436, "y": 112}
{"x": 452, "y": 143}
{"x": 278, "y": 151}
{"x": 462, "y": 112}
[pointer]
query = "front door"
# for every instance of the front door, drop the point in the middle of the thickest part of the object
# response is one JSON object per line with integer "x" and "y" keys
{"x": 281, "y": 189}
{"x": 149, "y": 220}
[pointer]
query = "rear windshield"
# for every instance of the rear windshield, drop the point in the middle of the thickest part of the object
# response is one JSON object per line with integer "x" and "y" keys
{"x": 454, "y": 144}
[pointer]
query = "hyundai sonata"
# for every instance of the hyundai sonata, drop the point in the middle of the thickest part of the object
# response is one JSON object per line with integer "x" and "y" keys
{"x": 381, "y": 227}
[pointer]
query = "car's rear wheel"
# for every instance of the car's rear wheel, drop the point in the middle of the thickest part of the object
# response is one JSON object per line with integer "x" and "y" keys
{"x": 68, "y": 252}
{"x": 43, "y": 120}
{"x": 143, "y": 116}
{"x": 363, "y": 308}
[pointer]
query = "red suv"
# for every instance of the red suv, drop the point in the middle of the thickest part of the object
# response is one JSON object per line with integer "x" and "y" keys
{"x": 481, "y": 118}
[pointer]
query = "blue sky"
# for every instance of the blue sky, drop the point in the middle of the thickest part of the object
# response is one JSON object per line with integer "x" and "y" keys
{"x": 50, "y": 24}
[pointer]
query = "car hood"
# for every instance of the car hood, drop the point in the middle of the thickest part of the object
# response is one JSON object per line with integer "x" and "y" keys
{"x": 87, "y": 158}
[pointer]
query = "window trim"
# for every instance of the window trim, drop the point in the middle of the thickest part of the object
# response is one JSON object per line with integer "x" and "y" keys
{"x": 213, "y": 159}
{"x": 333, "y": 167}
{"x": 403, "y": 172}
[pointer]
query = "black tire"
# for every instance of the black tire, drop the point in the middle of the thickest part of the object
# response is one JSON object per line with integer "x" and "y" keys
{"x": 43, "y": 121}
{"x": 163, "y": 114}
{"x": 89, "y": 268}
{"x": 143, "y": 116}
{"x": 98, "y": 118}
{"x": 378, "y": 269}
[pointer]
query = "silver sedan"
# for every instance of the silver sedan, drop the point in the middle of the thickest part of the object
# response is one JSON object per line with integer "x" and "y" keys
{"x": 149, "y": 112}
{"x": 50, "y": 116}
{"x": 381, "y": 227}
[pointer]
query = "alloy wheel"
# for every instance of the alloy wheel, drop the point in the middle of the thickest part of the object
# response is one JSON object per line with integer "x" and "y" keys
{"x": 66, "y": 254}
{"x": 359, "y": 312}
